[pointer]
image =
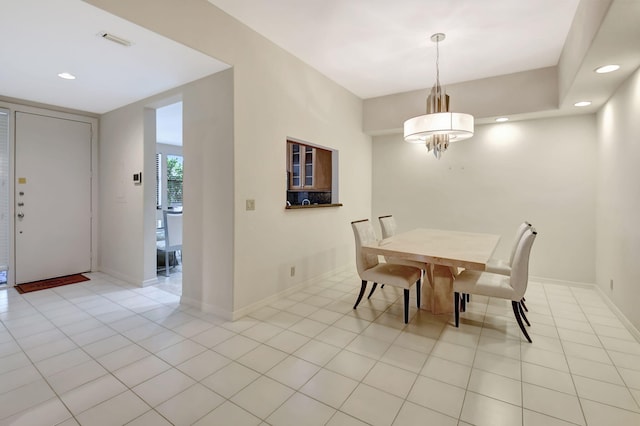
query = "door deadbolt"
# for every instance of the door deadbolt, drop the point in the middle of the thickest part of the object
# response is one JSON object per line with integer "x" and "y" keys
{"x": 20, "y": 215}
{"x": 20, "y": 204}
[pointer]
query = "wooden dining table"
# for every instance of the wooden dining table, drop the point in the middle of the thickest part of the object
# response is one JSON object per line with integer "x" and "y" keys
{"x": 446, "y": 251}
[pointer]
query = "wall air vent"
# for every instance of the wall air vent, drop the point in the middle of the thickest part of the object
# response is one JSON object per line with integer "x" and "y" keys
{"x": 105, "y": 35}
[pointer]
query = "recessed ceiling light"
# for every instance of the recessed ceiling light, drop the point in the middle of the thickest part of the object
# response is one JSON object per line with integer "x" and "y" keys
{"x": 582, "y": 103}
{"x": 607, "y": 68}
{"x": 501, "y": 119}
{"x": 67, "y": 76}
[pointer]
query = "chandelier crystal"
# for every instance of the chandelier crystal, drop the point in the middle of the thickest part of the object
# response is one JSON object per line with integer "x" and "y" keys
{"x": 438, "y": 127}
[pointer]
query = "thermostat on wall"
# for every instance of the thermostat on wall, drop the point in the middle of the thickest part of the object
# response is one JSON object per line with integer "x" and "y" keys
{"x": 137, "y": 178}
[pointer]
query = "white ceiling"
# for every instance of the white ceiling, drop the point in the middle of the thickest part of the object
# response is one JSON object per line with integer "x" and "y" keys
{"x": 380, "y": 47}
{"x": 371, "y": 47}
{"x": 41, "y": 38}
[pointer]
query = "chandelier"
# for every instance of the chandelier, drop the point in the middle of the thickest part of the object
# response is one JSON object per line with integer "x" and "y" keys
{"x": 438, "y": 127}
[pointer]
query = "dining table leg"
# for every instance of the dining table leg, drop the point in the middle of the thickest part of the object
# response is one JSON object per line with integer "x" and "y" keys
{"x": 438, "y": 293}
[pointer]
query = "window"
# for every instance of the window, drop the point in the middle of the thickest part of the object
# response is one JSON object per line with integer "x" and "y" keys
{"x": 174, "y": 180}
{"x": 159, "y": 181}
{"x": 169, "y": 177}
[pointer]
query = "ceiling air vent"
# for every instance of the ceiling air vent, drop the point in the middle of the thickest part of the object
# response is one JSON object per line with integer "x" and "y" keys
{"x": 115, "y": 39}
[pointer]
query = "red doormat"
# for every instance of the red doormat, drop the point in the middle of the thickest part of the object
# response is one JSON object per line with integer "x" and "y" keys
{"x": 50, "y": 283}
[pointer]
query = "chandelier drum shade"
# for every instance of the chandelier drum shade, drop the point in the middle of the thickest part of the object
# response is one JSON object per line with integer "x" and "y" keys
{"x": 438, "y": 127}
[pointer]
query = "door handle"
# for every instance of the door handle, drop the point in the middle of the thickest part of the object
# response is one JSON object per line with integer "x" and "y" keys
{"x": 20, "y": 215}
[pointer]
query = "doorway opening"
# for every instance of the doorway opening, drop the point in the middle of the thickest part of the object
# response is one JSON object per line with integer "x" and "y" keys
{"x": 169, "y": 179}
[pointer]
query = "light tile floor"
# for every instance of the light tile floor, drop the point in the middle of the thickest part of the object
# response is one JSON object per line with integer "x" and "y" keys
{"x": 106, "y": 353}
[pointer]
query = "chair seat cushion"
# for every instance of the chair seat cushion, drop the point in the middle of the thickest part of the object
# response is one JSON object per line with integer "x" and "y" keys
{"x": 392, "y": 274}
{"x": 486, "y": 284}
{"x": 498, "y": 266}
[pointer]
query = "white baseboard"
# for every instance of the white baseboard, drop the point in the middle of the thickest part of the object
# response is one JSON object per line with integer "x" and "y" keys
{"x": 239, "y": 313}
{"x": 628, "y": 324}
{"x": 561, "y": 282}
{"x": 616, "y": 311}
{"x": 122, "y": 277}
{"x": 207, "y": 308}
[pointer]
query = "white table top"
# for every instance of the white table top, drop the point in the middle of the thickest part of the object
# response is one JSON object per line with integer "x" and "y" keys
{"x": 449, "y": 248}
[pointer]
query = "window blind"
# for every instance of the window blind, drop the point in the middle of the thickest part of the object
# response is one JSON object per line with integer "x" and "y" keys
{"x": 4, "y": 190}
{"x": 158, "y": 181}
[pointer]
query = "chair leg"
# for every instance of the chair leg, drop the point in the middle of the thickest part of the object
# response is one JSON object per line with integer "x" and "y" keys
{"x": 524, "y": 317}
{"x": 463, "y": 303}
{"x": 166, "y": 263}
{"x": 406, "y": 305}
{"x": 516, "y": 312}
{"x": 372, "y": 290}
{"x": 468, "y": 298}
{"x": 523, "y": 305}
{"x": 418, "y": 291}
{"x": 362, "y": 289}
{"x": 456, "y": 307}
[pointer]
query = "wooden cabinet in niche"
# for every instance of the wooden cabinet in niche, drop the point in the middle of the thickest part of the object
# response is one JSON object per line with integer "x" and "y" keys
{"x": 309, "y": 168}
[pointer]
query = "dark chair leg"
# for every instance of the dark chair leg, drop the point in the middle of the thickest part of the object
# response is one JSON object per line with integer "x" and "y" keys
{"x": 456, "y": 307}
{"x": 418, "y": 290}
{"x": 468, "y": 298}
{"x": 382, "y": 286}
{"x": 524, "y": 317}
{"x": 362, "y": 289}
{"x": 523, "y": 305}
{"x": 463, "y": 303}
{"x": 516, "y": 312}
{"x": 406, "y": 305}
{"x": 372, "y": 290}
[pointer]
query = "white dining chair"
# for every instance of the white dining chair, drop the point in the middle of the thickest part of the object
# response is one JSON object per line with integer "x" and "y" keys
{"x": 501, "y": 266}
{"x": 510, "y": 287}
{"x": 388, "y": 227}
{"x": 172, "y": 237}
{"x": 370, "y": 269}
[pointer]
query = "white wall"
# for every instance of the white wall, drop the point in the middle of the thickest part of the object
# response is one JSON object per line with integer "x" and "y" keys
{"x": 541, "y": 170}
{"x": 275, "y": 96}
{"x": 127, "y": 145}
{"x": 207, "y": 271}
{"x": 121, "y": 153}
{"x": 618, "y": 198}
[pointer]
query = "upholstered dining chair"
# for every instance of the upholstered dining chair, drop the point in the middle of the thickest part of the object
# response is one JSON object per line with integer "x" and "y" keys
{"x": 388, "y": 227}
{"x": 172, "y": 237}
{"x": 510, "y": 287}
{"x": 503, "y": 267}
{"x": 370, "y": 269}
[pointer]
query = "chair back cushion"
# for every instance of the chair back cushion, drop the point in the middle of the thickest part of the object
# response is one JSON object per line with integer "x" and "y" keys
{"x": 364, "y": 234}
{"x": 520, "y": 269}
{"x": 388, "y": 226}
{"x": 173, "y": 230}
{"x": 519, "y": 233}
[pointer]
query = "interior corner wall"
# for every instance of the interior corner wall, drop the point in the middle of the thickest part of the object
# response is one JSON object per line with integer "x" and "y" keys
{"x": 618, "y": 199}
{"x": 542, "y": 171}
{"x": 276, "y": 96}
{"x": 127, "y": 211}
{"x": 207, "y": 273}
{"x": 121, "y": 203}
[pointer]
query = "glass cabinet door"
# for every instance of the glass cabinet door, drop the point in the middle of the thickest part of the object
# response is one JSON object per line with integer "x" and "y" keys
{"x": 308, "y": 166}
{"x": 295, "y": 166}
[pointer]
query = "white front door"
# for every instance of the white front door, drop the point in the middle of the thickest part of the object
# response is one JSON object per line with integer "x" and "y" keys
{"x": 52, "y": 196}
